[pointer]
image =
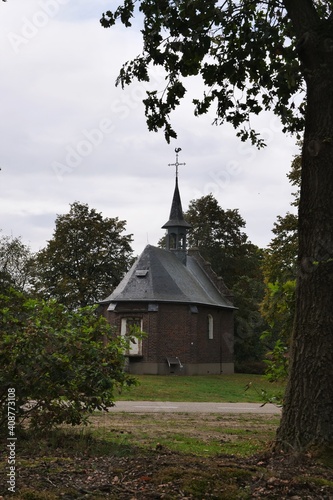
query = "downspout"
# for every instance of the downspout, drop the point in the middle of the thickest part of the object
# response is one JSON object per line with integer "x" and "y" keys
{"x": 221, "y": 370}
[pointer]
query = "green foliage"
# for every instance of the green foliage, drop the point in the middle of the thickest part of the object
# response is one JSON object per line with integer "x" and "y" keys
{"x": 249, "y": 324}
{"x": 280, "y": 270}
{"x": 15, "y": 263}
{"x": 63, "y": 365}
{"x": 218, "y": 234}
{"x": 86, "y": 258}
{"x": 280, "y": 259}
{"x": 277, "y": 362}
{"x": 243, "y": 51}
{"x": 279, "y": 309}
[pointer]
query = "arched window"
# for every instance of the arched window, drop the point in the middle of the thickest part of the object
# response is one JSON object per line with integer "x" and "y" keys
{"x": 210, "y": 327}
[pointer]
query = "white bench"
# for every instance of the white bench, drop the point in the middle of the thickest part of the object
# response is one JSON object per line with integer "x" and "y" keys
{"x": 174, "y": 364}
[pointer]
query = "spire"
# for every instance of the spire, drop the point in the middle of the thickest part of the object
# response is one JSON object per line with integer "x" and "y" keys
{"x": 176, "y": 226}
{"x": 176, "y": 217}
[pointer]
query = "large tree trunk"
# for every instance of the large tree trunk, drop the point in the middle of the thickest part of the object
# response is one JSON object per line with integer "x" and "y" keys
{"x": 307, "y": 419}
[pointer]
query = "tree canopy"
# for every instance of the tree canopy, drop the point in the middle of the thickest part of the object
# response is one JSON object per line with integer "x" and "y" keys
{"x": 281, "y": 257}
{"x": 218, "y": 233}
{"x": 244, "y": 51}
{"x": 254, "y": 56}
{"x": 86, "y": 258}
{"x": 15, "y": 263}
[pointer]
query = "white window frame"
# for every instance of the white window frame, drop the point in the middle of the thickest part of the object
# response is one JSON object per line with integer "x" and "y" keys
{"x": 135, "y": 347}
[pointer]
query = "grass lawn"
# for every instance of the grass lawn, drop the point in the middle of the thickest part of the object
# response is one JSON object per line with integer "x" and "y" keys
{"x": 205, "y": 388}
{"x": 198, "y": 434}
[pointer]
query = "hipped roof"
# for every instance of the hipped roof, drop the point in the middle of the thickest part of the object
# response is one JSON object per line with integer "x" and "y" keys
{"x": 159, "y": 276}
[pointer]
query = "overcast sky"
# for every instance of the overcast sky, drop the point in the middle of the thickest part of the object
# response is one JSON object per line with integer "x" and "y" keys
{"x": 68, "y": 134}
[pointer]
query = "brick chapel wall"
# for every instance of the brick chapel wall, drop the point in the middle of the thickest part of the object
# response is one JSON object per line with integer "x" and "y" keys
{"x": 220, "y": 348}
{"x": 179, "y": 332}
{"x": 174, "y": 330}
{"x": 227, "y": 329}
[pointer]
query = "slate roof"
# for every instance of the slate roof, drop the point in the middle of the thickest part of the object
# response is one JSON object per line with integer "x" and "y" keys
{"x": 159, "y": 276}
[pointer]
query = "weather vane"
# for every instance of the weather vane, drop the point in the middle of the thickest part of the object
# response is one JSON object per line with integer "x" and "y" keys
{"x": 177, "y": 150}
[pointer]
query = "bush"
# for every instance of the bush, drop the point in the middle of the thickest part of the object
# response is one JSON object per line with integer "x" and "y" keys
{"x": 62, "y": 365}
{"x": 277, "y": 362}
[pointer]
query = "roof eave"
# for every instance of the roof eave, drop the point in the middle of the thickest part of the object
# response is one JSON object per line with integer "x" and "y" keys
{"x": 167, "y": 301}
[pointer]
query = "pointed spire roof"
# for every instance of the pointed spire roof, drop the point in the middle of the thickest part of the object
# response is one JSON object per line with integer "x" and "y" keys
{"x": 176, "y": 218}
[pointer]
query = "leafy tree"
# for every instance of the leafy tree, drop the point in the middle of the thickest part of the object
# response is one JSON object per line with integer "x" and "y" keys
{"x": 249, "y": 323}
{"x": 219, "y": 236}
{"x": 62, "y": 365}
{"x": 254, "y": 56}
{"x": 280, "y": 263}
{"x": 281, "y": 257}
{"x": 15, "y": 263}
{"x": 280, "y": 270}
{"x": 87, "y": 256}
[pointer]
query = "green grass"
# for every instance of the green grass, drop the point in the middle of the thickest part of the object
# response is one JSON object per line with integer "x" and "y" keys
{"x": 205, "y": 388}
{"x": 200, "y": 435}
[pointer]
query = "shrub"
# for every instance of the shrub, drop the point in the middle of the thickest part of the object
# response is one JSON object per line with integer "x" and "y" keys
{"x": 63, "y": 365}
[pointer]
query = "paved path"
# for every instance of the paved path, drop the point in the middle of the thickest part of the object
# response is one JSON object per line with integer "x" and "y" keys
{"x": 165, "y": 407}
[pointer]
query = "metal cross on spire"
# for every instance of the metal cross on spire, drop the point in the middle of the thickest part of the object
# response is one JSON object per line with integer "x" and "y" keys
{"x": 177, "y": 150}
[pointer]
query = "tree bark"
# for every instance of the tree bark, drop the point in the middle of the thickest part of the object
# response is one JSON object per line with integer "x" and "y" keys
{"x": 307, "y": 418}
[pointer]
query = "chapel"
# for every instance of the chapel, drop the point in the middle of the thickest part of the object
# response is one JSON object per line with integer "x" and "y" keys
{"x": 184, "y": 309}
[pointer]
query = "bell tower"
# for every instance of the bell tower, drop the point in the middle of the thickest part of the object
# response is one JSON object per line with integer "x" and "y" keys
{"x": 177, "y": 226}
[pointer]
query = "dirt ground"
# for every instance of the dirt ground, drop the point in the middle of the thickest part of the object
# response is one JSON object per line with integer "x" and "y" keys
{"x": 173, "y": 476}
{"x": 138, "y": 464}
